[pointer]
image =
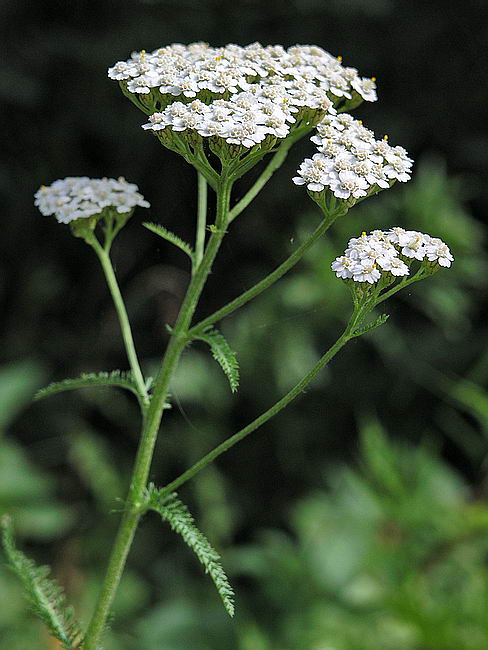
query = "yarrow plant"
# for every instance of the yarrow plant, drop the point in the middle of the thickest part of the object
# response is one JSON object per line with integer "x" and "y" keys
{"x": 225, "y": 110}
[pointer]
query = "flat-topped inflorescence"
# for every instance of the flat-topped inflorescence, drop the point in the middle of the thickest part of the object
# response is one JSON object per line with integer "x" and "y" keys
{"x": 389, "y": 254}
{"x": 241, "y": 95}
{"x": 199, "y": 70}
{"x": 247, "y": 119}
{"x": 350, "y": 162}
{"x": 73, "y": 198}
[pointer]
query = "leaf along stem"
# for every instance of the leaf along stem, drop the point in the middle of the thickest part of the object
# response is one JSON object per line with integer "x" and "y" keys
{"x": 135, "y": 502}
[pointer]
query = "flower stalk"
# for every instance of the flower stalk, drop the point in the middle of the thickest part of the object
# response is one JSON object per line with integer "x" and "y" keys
{"x": 201, "y": 221}
{"x": 356, "y": 318}
{"x": 103, "y": 254}
{"x": 134, "y": 504}
{"x": 274, "y": 276}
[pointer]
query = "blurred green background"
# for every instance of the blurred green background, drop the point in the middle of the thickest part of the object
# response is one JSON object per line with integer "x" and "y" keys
{"x": 358, "y": 518}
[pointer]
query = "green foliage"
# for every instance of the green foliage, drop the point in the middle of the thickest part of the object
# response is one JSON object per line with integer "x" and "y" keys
{"x": 391, "y": 556}
{"x": 18, "y": 381}
{"x": 25, "y": 490}
{"x": 121, "y": 379}
{"x": 91, "y": 458}
{"x": 181, "y": 521}
{"x": 171, "y": 237}
{"x": 46, "y": 597}
{"x": 223, "y": 354}
{"x": 371, "y": 326}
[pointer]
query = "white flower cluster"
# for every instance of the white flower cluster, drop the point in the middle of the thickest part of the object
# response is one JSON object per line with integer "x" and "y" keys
{"x": 240, "y": 94}
{"x": 350, "y": 161}
{"x": 245, "y": 119}
{"x": 80, "y": 197}
{"x": 188, "y": 70}
{"x": 368, "y": 257}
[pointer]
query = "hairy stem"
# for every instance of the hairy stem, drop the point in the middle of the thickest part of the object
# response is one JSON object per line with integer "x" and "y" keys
{"x": 348, "y": 334}
{"x": 134, "y": 505}
{"x": 270, "y": 279}
{"x": 104, "y": 257}
{"x": 201, "y": 220}
{"x": 274, "y": 164}
{"x": 420, "y": 275}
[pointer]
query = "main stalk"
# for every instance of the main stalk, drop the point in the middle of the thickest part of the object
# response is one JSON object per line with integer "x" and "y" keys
{"x": 134, "y": 504}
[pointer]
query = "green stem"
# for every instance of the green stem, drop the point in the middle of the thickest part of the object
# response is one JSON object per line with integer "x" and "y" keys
{"x": 269, "y": 279}
{"x": 274, "y": 164}
{"x": 201, "y": 220}
{"x": 195, "y": 155}
{"x": 104, "y": 257}
{"x": 276, "y": 408}
{"x": 420, "y": 275}
{"x": 134, "y": 504}
{"x": 200, "y": 161}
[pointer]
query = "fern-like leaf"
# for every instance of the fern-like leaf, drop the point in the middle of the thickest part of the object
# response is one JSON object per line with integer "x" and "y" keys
{"x": 181, "y": 521}
{"x": 115, "y": 378}
{"x": 223, "y": 354}
{"x": 171, "y": 237}
{"x": 46, "y": 597}
{"x": 371, "y": 326}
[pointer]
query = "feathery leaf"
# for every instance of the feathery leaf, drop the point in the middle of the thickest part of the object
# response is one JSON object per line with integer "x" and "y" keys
{"x": 115, "y": 378}
{"x": 171, "y": 237}
{"x": 223, "y": 354}
{"x": 181, "y": 521}
{"x": 371, "y": 326}
{"x": 46, "y": 597}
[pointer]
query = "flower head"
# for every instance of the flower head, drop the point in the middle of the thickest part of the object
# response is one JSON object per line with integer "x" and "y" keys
{"x": 196, "y": 70}
{"x": 74, "y": 198}
{"x": 250, "y": 92}
{"x": 389, "y": 254}
{"x": 350, "y": 162}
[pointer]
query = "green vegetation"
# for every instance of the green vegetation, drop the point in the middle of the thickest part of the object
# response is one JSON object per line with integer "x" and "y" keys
{"x": 384, "y": 551}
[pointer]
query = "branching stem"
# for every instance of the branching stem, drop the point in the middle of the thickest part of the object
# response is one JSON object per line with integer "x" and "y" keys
{"x": 347, "y": 335}
{"x": 274, "y": 164}
{"x": 180, "y": 335}
{"x": 420, "y": 275}
{"x": 134, "y": 504}
{"x": 270, "y": 279}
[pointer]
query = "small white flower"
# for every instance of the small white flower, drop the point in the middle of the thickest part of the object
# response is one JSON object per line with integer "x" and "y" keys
{"x": 413, "y": 244}
{"x": 346, "y": 184}
{"x": 395, "y": 233}
{"x": 366, "y": 88}
{"x": 398, "y": 168}
{"x": 314, "y": 173}
{"x": 366, "y": 271}
{"x": 394, "y": 265}
{"x": 143, "y": 83}
{"x": 438, "y": 251}
{"x": 343, "y": 267}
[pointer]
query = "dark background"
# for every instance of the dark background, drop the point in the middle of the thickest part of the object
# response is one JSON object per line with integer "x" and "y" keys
{"x": 62, "y": 116}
